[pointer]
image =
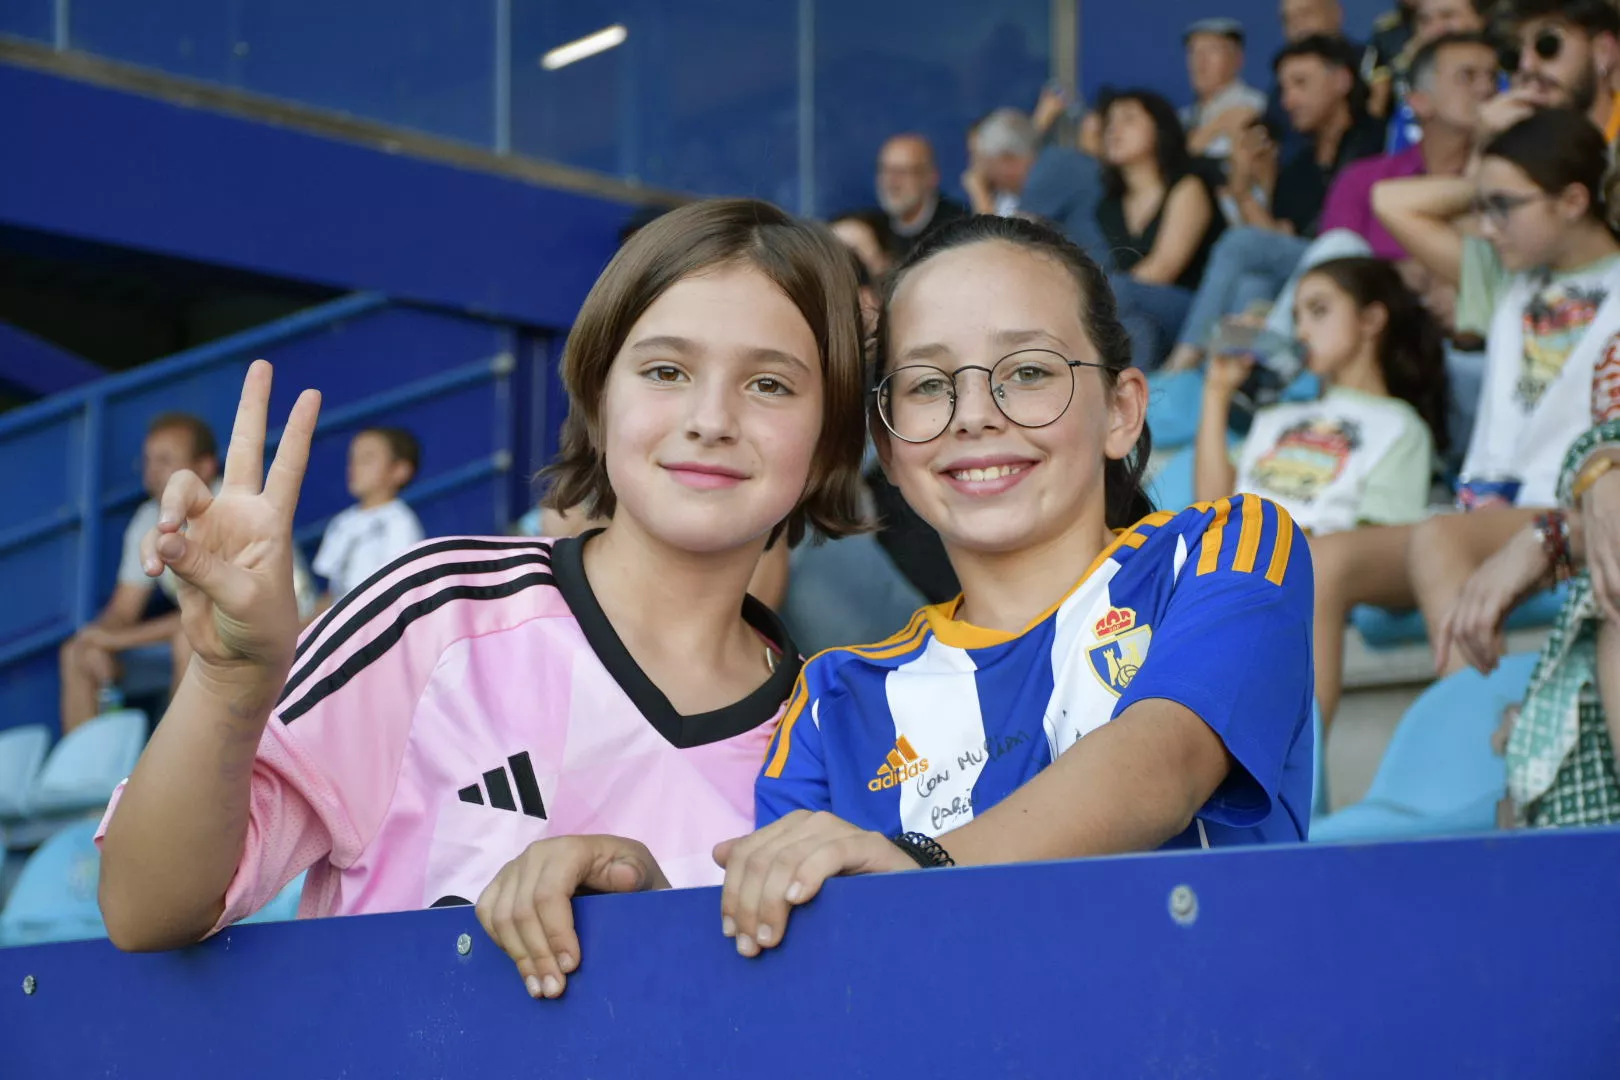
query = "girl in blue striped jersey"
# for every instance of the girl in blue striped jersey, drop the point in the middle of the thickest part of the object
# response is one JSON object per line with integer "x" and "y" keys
{"x": 1110, "y": 680}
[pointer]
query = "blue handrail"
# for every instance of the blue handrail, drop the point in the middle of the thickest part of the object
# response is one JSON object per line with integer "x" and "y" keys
{"x": 295, "y": 325}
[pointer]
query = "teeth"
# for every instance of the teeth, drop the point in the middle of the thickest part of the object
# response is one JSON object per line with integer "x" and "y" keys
{"x": 995, "y": 472}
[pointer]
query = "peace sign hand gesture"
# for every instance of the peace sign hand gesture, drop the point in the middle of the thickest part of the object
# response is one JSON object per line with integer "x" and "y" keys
{"x": 232, "y": 552}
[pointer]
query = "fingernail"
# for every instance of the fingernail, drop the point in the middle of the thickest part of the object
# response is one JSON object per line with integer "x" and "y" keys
{"x": 553, "y": 986}
{"x": 565, "y": 962}
{"x": 762, "y": 934}
{"x": 153, "y": 567}
{"x": 532, "y": 985}
{"x": 728, "y": 926}
{"x": 746, "y": 946}
{"x": 794, "y": 891}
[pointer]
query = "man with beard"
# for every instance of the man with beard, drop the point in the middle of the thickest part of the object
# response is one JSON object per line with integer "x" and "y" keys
{"x": 1569, "y": 55}
{"x": 908, "y": 190}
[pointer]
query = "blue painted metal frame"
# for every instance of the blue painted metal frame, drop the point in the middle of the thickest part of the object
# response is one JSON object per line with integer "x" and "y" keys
{"x": 1477, "y": 958}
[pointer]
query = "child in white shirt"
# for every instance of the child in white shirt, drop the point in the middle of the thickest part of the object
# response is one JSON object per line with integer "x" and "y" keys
{"x": 366, "y": 537}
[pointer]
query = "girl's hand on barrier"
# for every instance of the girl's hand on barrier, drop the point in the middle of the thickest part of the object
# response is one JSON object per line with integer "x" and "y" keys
{"x": 233, "y": 552}
{"x": 528, "y": 909}
{"x": 1474, "y": 626}
{"x": 785, "y": 864}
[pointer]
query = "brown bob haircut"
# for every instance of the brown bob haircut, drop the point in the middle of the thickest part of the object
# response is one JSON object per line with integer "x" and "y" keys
{"x": 811, "y": 268}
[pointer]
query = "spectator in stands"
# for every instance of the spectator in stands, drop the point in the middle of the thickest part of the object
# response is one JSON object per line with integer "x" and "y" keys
{"x": 1325, "y": 99}
{"x": 1302, "y": 19}
{"x": 89, "y": 660}
{"x": 866, "y": 233}
{"x": 1001, "y": 152}
{"x": 908, "y": 190}
{"x": 1086, "y": 694}
{"x": 1158, "y": 217}
{"x": 1224, "y": 106}
{"x": 1435, "y": 19}
{"x": 1363, "y": 453}
{"x": 1560, "y": 746}
{"x": 1547, "y": 264}
{"x": 368, "y": 535}
{"x": 1569, "y": 57}
{"x": 717, "y": 376}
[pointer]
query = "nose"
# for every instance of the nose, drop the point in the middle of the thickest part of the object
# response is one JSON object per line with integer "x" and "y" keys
{"x": 976, "y": 409}
{"x": 711, "y": 416}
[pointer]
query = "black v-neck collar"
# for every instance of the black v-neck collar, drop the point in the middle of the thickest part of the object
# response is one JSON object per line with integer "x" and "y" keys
{"x": 568, "y": 567}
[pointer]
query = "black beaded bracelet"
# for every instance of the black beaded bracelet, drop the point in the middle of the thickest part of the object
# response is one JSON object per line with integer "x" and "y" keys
{"x": 924, "y": 849}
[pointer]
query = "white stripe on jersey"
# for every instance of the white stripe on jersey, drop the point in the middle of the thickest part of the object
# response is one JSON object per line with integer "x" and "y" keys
{"x": 939, "y": 714}
{"x": 1079, "y": 704}
{"x": 1181, "y": 558}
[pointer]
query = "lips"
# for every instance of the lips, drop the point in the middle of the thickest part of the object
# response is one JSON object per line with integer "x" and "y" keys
{"x": 986, "y": 476}
{"x": 703, "y": 476}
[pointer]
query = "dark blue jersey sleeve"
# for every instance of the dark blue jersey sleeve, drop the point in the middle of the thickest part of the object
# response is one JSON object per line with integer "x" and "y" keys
{"x": 1233, "y": 645}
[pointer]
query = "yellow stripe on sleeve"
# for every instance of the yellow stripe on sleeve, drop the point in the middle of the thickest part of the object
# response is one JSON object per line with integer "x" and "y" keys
{"x": 1209, "y": 559}
{"x": 1248, "y": 548}
{"x": 1282, "y": 547}
{"x": 784, "y": 733}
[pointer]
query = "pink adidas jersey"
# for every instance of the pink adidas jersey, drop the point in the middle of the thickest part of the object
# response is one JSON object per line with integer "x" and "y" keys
{"x": 468, "y": 700}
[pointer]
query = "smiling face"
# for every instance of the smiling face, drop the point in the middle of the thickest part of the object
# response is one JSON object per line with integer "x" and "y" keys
{"x": 712, "y": 411}
{"x": 986, "y": 484}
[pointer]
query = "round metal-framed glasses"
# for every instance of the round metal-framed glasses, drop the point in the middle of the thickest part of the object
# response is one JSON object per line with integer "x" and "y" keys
{"x": 1032, "y": 387}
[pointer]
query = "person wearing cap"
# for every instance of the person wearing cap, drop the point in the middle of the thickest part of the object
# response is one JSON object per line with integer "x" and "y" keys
{"x": 1224, "y": 104}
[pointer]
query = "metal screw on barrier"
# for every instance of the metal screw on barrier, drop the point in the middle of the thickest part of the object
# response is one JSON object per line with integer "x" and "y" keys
{"x": 464, "y": 944}
{"x": 30, "y": 984}
{"x": 1184, "y": 905}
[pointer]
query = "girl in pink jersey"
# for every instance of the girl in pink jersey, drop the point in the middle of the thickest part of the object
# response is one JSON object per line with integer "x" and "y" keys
{"x": 478, "y": 695}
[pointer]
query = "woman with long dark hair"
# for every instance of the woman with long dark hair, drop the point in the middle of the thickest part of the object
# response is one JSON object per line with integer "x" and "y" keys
{"x": 1158, "y": 217}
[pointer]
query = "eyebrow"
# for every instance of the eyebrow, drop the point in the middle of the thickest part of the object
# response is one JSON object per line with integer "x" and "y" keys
{"x": 1011, "y": 340}
{"x": 688, "y": 347}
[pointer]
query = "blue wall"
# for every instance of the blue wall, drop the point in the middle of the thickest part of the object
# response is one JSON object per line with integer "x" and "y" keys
{"x": 1456, "y": 958}
{"x": 135, "y": 172}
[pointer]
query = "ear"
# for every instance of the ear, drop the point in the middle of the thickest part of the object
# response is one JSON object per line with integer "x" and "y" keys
{"x": 1422, "y": 104}
{"x": 1575, "y": 202}
{"x": 1127, "y": 413}
{"x": 1374, "y": 318}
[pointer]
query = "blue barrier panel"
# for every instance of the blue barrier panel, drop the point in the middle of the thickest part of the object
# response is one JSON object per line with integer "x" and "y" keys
{"x": 1468, "y": 958}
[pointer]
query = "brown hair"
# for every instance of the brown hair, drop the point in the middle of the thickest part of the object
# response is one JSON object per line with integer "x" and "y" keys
{"x": 806, "y": 262}
{"x": 401, "y": 444}
{"x": 203, "y": 443}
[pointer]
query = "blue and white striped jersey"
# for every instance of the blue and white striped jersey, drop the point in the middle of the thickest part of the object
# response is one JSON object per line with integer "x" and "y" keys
{"x": 1210, "y": 607}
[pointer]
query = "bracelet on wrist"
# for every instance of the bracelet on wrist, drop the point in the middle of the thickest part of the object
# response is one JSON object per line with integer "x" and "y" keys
{"x": 924, "y": 850}
{"x": 1552, "y": 530}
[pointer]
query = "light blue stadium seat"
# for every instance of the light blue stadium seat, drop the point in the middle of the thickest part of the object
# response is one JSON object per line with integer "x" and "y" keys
{"x": 89, "y": 762}
{"x": 284, "y": 907}
{"x": 55, "y": 896}
{"x": 1319, "y": 785}
{"x": 1175, "y": 400}
{"x": 1439, "y": 775}
{"x": 22, "y": 752}
{"x": 1172, "y": 487}
{"x": 1382, "y": 628}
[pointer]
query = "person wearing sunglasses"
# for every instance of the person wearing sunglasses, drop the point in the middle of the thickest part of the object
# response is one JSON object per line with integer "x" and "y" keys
{"x": 1568, "y": 56}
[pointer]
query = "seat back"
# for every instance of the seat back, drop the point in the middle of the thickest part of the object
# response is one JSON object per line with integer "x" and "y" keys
{"x": 89, "y": 763}
{"x": 55, "y": 896}
{"x": 22, "y": 752}
{"x": 1440, "y": 757}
